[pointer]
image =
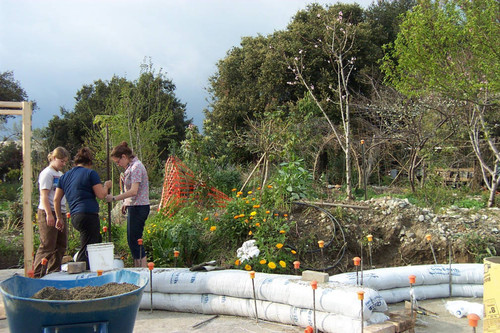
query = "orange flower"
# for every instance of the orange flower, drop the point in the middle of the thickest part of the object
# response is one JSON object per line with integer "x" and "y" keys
{"x": 256, "y": 206}
{"x": 267, "y": 212}
{"x": 247, "y": 202}
{"x": 263, "y": 261}
{"x": 236, "y": 216}
{"x": 257, "y": 224}
{"x": 213, "y": 228}
{"x": 285, "y": 215}
{"x": 293, "y": 252}
{"x": 258, "y": 188}
{"x": 248, "y": 267}
{"x": 233, "y": 190}
{"x": 237, "y": 262}
{"x": 269, "y": 186}
{"x": 239, "y": 193}
{"x": 282, "y": 231}
{"x": 279, "y": 245}
{"x": 205, "y": 219}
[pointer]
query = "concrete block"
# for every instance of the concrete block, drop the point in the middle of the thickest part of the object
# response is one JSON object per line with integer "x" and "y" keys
{"x": 320, "y": 277}
{"x": 76, "y": 267}
{"x": 380, "y": 328}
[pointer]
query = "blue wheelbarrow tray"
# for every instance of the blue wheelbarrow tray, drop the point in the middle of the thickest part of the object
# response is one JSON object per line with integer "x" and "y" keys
{"x": 108, "y": 314}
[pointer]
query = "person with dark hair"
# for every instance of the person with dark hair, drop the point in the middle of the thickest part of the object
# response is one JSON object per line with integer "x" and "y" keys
{"x": 53, "y": 237}
{"x": 135, "y": 196}
{"x": 81, "y": 185}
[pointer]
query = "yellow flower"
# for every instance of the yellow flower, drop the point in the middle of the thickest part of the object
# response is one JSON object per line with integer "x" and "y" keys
{"x": 250, "y": 233}
{"x": 248, "y": 267}
{"x": 205, "y": 219}
{"x": 282, "y": 263}
{"x": 282, "y": 231}
{"x": 213, "y": 228}
{"x": 149, "y": 231}
{"x": 257, "y": 224}
{"x": 267, "y": 212}
{"x": 247, "y": 202}
{"x": 233, "y": 190}
{"x": 271, "y": 265}
{"x": 249, "y": 192}
{"x": 279, "y": 245}
{"x": 253, "y": 213}
{"x": 256, "y": 206}
{"x": 253, "y": 199}
{"x": 237, "y": 262}
{"x": 246, "y": 220}
{"x": 293, "y": 252}
{"x": 263, "y": 261}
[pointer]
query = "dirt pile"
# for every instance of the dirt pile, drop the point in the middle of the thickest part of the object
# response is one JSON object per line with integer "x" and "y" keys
{"x": 85, "y": 293}
{"x": 399, "y": 232}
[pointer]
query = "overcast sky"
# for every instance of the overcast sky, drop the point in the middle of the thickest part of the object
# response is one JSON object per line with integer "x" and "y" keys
{"x": 54, "y": 47}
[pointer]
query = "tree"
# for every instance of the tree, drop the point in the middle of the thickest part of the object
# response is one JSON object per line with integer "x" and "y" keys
{"x": 11, "y": 91}
{"x": 11, "y": 158}
{"x": 149, "y": 99}
{"x": 452, "y": 48}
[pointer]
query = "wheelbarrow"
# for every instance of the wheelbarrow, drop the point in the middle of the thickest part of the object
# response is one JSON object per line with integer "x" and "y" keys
{"x": 108, "y": 314}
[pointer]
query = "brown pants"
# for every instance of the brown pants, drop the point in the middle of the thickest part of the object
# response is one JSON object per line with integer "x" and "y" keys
{"x": 53, "y": 244}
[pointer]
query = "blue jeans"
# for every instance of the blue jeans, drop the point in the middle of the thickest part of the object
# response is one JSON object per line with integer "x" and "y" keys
{"x": 136, "y": 219}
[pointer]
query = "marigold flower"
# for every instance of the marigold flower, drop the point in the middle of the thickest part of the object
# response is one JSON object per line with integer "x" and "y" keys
{"x": 282, "y": 263}
{"x": 256, "y": 206}
{"x": 282, "y": 231}
{"x": 258, "y": 188}
{"x": 271, "y": 265}
{"x": 285, "y": 215}
{"x": 257, "y": 224}
{"x": 275, "y": 214}
{"x": 249, "y": 192}
{"x": 267, "y": 212}
{"x": 263, "y": 261}
{"x": 242, "y": 215}
{"x": 248, "y": 267}
{"x": 149, "y": 231}
{"x": 205, "y": 219}
{"x": 233, "y": 190}
{"x": 250, "y": 233}
{"x": 253, "y": 213}
{"x": 264, "y": 220}
{"x": 236, "y": 216}
{"x": 253, "y": 199}
{"x": 279, "y": 245}
{"x": 213, "y": 228}
{"x": 246, "y": 220}
{"x": 293, "y": 252}
{"x": 237, "y": 262}
{"x": 269, "y": 186}
{"x": 251, "y": 217}
{"x": 239, "y": 193}
{"x": 247, "y": 202}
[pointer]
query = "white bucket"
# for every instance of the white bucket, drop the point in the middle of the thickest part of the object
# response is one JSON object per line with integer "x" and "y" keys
{"x": 101, "y": 256}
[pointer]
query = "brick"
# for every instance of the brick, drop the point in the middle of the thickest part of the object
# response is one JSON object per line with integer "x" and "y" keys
{"x": 320, "y": 277}
{"x": 401, "y": 321}
{"x": 76, "y": 267}
{"x": 380, "y": 328}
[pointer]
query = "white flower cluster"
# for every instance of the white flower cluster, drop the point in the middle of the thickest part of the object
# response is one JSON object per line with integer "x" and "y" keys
{"x": 248, "y": 250}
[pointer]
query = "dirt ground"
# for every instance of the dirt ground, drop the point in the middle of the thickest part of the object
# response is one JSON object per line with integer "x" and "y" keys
{"x": 83, "y": 293}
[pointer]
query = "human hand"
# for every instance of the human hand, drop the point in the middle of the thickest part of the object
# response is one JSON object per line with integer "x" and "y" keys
{"x": 60, "y": 224}
{"x": 50, "y": 220}
{"x": 109, "y": 198}
{"x": 124, "y": 209}
{"x": 107, "y": 183}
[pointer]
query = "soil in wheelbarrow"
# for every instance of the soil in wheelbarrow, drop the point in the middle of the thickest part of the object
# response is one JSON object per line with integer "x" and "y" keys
{"x": 85, "y": 293}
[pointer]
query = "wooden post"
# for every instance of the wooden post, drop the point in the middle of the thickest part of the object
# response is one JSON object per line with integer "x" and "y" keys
{"x": 24, "y": 109}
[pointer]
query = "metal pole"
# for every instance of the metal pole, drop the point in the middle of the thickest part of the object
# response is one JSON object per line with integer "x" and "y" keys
{"x": 108, "y": 177}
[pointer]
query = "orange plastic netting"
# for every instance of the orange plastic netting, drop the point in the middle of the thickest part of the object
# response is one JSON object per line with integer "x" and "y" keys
{"x": 180, "y": 186}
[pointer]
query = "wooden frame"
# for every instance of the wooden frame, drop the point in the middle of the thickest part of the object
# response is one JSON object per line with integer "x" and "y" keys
{"x": 24, "y": 109}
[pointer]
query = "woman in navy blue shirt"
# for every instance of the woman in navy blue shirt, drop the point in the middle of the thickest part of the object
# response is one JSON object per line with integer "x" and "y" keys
{"x": 81, "y": 185}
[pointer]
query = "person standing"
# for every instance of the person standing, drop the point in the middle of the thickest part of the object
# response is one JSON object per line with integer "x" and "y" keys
{"x": 81, "y": 185}
{"x": 53, "y": 236}
{"x": 136, "y": 198}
